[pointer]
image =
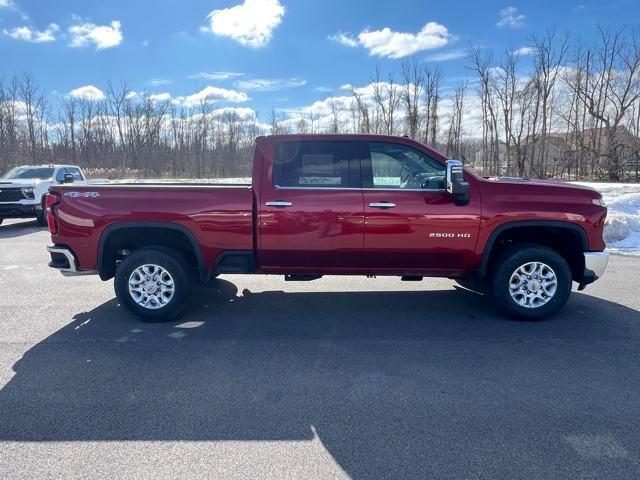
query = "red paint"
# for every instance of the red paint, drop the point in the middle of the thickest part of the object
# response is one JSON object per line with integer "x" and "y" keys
{"x": 328, "y": 230}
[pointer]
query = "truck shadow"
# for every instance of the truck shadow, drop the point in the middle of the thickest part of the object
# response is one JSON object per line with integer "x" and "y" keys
{"x": 393, "y": 384}
{"x": 19, "y": 228}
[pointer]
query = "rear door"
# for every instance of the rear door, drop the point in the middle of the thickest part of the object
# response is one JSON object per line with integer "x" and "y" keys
{"x": 311, "y": 213}
{"x": 412, "y": 224}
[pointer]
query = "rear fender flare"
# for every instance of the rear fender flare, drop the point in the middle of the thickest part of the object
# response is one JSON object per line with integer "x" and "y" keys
{"x": 202, "y": 268}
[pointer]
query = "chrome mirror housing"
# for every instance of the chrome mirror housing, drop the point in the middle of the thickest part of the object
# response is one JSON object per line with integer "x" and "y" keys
{"x": 456, "y": 185}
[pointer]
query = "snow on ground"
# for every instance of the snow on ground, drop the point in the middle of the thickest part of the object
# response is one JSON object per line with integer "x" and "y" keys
{"x": 622, "y": 227}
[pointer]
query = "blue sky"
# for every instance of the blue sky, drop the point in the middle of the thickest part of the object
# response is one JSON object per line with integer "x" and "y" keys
{"x": 260, "y": 54}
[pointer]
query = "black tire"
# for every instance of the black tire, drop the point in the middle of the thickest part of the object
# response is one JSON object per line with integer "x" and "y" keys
{"x": 169, "y": 260}
{"x": 509, "y": 261}
{"x": 41, "y": 218}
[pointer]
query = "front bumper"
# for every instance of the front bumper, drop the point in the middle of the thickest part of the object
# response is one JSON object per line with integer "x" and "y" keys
{"x": 63, "y": 259}
{"x": 19, "y": 210}
{"x": 595, "y": 264}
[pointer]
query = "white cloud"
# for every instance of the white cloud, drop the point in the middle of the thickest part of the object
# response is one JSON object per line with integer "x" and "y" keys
{"x": 102, "y": 36}
{"x": 270, "y": 85}
{"x": 88, "y": 92}
{"x": 158, "y": 82}
{"x": 6, "y": 4}
{"x": 212, "y": 95}
{"x": 215, "y": 76}
{"x": 445, "y": 56}
{"x": 523, "y": 51}
{"x": 345, "y": 39}
{"x": 32, "y": 35}
{"x": 511, "y": 17}
{"x": 160, "y": 97}
{"x": 243, "y": 113}
{"x": 388, "y": 43}
{"x": 251, "y": 23}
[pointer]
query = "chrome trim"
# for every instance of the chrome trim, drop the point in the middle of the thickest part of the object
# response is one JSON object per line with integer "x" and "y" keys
{"x": 595, "y": 263}
{"x": 71, "y": 259}
{"x": 278, "y": 204}
{"x": 278, "y": 187}
{"x": 382, "y": 204}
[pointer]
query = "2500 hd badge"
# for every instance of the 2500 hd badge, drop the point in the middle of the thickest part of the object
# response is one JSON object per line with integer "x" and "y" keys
{"x": 449, "y": 235}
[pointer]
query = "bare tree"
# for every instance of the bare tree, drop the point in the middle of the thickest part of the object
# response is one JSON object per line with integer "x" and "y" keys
{"x": 432, "y": 78}
{"x": 607, "y": 82}
{"x": 413, "y": 77}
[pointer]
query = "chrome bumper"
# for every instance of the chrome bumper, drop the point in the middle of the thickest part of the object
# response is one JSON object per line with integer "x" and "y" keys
{"x": 68, "y": 266}
{"x": 595, "y": 263}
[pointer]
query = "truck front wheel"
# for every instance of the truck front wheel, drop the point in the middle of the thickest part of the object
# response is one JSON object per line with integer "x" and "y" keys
{"x": 41, "y": 217}
{"x": 531, "y": 282}
{"x": 153, "y": 284}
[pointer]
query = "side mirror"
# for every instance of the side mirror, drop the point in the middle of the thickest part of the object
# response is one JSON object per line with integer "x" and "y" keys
{"x": 68, "y": 178}
{"x": 456, "y": 185}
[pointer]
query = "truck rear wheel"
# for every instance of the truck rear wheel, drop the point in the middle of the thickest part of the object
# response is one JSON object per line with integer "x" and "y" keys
{"x": 531, "y": 282}
{"x": 153, "y": 284}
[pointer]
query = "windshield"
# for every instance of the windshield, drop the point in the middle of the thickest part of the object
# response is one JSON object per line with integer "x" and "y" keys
{"x": 17, "y": 173}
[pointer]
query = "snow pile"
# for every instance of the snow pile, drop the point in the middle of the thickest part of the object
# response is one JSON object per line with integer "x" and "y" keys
{"x": 622, "y": 227}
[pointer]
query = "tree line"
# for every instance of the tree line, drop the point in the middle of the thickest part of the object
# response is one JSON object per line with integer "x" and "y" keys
{"x": 555, "y": 109}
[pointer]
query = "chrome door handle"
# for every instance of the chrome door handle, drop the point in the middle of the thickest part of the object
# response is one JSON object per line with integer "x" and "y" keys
{"x": 382, "y": 204}
{"x": 279, "y": 204}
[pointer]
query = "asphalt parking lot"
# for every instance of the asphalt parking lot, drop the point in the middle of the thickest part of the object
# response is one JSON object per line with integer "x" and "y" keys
{"x": 336, "y": 378}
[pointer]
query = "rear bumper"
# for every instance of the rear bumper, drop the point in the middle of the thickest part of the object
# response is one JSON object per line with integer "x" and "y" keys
{"x": 19, "y": 210}
{"x": 63, "y": 259}
{"x": 595, "y": 264}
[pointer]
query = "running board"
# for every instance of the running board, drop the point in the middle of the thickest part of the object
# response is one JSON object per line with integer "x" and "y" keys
{"x": 411, "y": 278}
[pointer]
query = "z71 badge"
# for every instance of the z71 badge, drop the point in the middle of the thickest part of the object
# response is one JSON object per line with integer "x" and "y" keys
{"x": 82, "y": 194}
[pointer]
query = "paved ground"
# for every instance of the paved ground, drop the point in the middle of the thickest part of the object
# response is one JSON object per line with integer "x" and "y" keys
{"x": 336, "y": 378}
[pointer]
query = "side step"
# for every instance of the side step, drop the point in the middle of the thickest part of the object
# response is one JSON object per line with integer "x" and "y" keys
{"x": 301, "y": 278}
{"x": 411, "y": 278}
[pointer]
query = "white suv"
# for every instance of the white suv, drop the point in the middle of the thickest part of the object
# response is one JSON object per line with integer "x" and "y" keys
{"x": 22, "y": 189}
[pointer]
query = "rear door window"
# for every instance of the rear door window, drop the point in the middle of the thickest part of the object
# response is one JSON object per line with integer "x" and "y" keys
{"x": 319, "y": 164}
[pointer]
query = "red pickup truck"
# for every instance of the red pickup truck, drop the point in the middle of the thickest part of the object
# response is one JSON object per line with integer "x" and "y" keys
{"x": 335, "y": 205}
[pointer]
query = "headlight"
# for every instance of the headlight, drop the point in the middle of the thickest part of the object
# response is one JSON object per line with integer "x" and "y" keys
{"x": 28, "y": 192}
{"x": 599, "y": 201}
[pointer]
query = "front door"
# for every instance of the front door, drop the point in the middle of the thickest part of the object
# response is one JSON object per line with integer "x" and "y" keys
{"x": 411, "y": 222}
{"x": 311, "y": 215}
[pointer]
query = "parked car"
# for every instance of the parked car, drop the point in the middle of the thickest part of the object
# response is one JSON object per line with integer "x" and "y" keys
{"x": 335, "y": 205}
{"x": 22, "y": 189}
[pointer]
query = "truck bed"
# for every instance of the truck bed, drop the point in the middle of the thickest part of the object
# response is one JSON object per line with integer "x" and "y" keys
{"x": 220, "y": 216}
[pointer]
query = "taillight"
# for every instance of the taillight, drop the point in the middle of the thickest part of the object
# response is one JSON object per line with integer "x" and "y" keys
{"x": 51, "y": 200}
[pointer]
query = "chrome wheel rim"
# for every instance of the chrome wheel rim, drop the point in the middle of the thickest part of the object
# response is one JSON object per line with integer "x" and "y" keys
{"x": 533, "y": 285}
{"x": 151, "y": 286}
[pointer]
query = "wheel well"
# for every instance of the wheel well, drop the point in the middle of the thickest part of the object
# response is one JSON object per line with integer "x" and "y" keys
{"x": 119, "y": 242}
{"x": 568, "y": 242}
